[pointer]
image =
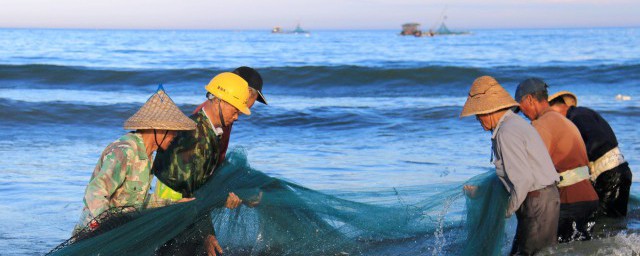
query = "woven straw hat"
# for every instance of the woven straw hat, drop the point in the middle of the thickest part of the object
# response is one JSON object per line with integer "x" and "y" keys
{"x": 159, "y": 113}
{"x": 486, "y": 96}
{"x": 569, "y": 98}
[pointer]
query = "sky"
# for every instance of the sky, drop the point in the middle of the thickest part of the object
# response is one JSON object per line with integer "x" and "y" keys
{"x": 316, "y": 14}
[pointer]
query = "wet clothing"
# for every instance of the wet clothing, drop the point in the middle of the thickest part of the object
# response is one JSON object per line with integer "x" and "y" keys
{"x": 121, "y": 177}
{"x": 613, "y": 189}
{"x": 521, "y": 159}
{"x": 579, "y": 214}
{"x": 613, "y": 185}
{"x": 537, "y": 221}
{"x": 526, "y": 171}
{"x": 567, "y": 151}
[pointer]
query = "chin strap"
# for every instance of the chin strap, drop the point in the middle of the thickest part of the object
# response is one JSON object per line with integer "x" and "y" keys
{"x": 221, "y": 116}
{"x": 155, "y": 137}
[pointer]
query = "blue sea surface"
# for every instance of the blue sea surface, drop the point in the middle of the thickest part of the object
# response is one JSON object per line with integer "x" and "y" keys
{"x": 350, "y": 112}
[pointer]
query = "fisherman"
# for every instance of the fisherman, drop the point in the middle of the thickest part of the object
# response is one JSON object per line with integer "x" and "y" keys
{"x": 255, "y": 83}
{"x": 579, "y": 200}
{"x": 193, "y": 157}
{"x": 122, "y": 177}
{"x": 522, "y": 164}
{"x": 610, "y": 173}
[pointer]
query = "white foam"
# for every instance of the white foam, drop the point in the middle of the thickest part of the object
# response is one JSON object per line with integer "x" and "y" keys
{"x": 621, "y": 244}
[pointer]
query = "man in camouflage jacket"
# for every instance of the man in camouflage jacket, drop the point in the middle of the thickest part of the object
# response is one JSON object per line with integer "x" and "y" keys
{"x": 194, "y": 155}
{"x": 122, "y": 176}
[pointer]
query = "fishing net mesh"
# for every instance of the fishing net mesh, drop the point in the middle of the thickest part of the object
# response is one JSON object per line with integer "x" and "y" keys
{"x": 293, "y": 220}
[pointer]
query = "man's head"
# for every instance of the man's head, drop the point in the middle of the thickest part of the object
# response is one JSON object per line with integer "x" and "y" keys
{"x": 254, "y": 80}
{"x": 562, "y": 101}
{"x": 228, "y": 113}
{"x": 532, "y": 96}
{"x": 229, "y": 93}
{"x": 486, "y": 100}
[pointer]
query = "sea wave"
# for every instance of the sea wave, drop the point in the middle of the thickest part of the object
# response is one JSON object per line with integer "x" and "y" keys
{"x": 336, "y": 80}
{"x": 106, "y": 108}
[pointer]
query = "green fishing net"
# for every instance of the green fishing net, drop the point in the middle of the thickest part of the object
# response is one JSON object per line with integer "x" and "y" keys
{"x": 293, "y": 220}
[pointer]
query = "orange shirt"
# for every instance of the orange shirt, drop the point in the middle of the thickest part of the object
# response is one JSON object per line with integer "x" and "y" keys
{"x": 567, "y": 151}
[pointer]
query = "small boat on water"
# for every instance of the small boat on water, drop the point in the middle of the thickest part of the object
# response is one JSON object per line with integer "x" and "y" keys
{"x": 297, "y": 30}
{"x": 413, "y": 28}
{"x": 443, "y": 30}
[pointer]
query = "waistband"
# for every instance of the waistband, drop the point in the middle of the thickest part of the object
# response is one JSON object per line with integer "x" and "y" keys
{"x": 608, "y": 161}
{"x": 536, "y": 193}
{"x": 573, "y": 176}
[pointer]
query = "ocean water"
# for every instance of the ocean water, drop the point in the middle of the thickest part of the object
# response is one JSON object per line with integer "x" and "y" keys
{"x": 350, "y": 112}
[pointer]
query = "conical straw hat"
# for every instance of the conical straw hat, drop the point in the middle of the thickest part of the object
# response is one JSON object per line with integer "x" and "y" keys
{"x": 569, "y": 98}
{"x": 159, "y": 113}
{"x": 486, "y": 96}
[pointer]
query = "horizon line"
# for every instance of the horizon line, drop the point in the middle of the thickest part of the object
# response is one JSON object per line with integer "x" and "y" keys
{"x": 317, "y": 29}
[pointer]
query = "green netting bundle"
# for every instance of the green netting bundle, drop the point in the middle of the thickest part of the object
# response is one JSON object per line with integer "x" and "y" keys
{"x": 294, "y": 220}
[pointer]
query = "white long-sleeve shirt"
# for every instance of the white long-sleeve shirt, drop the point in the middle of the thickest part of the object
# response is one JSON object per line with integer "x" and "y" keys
{"x": 522, "y": 161}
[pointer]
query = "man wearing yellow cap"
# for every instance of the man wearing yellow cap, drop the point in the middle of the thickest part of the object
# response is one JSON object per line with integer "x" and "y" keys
{"x": 254, "y": 81}
{"x": 610, "y": 173}
{"x": 193, "y": 156}
{"x": 522, "y": 164}
{"x": 122, "y": 177}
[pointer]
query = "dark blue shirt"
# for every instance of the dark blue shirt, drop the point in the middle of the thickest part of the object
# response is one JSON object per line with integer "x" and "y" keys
{"x": 595, "y": 131}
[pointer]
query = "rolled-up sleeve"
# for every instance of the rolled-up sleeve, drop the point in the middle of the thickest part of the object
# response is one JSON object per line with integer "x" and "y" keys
{"x": 514, "y": 156}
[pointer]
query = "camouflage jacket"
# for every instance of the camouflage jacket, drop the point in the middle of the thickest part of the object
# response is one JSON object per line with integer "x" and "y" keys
{"x": 121, "y": 178}
{"x": 190, "y": 159}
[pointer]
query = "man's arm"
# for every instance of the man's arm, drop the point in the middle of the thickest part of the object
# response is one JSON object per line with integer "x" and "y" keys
{"x": 516, "y": 166}
{"x": 110, "y": 177}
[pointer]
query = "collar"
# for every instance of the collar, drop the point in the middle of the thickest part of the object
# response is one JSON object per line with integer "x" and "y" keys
{"x": 141, "y": 149}
{"x": 217, "y": 130}
{"x": 504, "y": 117}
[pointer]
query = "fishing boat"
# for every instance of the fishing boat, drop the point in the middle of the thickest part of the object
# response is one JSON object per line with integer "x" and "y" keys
{"x": 297, "y": 30}
{"x": 443, "y": 30}
{"x": 413, "y": 28}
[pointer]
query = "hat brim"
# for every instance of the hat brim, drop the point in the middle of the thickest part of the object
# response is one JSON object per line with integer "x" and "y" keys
{"x": 564, "y": 94}
{"x": 261, "y": 98}
{"x": 479, "y": 106}
{"x": 245, "y": 110}
{"x": 160, "y": 113}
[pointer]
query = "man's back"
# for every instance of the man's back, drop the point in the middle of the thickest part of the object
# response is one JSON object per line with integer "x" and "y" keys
{"x": 595, "y": 131}
{"x": 567, "y": 151}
